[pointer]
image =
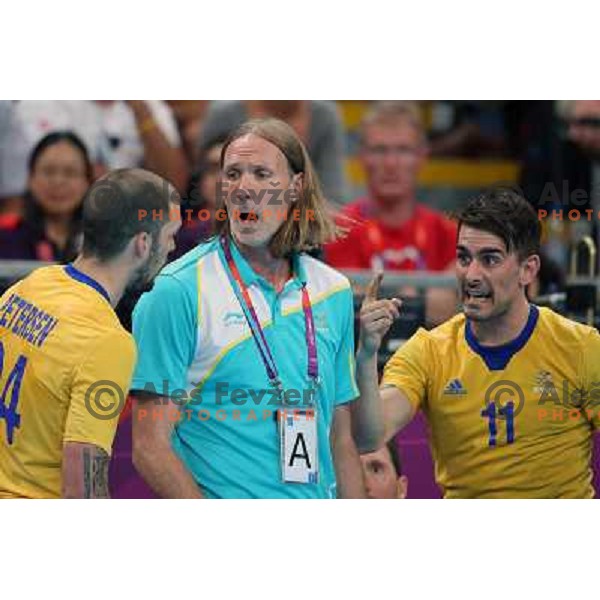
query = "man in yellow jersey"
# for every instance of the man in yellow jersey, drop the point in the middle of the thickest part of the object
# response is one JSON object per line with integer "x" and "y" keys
{"x": 511, "y": 391}
{"x": 65, "y": 360}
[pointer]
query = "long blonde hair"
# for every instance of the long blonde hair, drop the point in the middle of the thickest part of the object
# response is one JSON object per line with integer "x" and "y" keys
{"x": 313, "y": 228}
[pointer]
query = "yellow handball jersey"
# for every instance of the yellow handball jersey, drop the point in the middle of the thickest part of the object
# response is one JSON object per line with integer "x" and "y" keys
{"x": 515, "y": 421}
{"x": 65, "y": 368}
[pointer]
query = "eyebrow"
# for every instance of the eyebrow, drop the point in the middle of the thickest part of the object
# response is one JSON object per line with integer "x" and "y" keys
{"x": 485, "y": 250}
{"x": 239, "y": 165}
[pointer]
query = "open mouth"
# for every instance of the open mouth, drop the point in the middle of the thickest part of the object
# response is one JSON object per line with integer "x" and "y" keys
{"x": 249, "y": 216}
{"x": 477, "y": 295}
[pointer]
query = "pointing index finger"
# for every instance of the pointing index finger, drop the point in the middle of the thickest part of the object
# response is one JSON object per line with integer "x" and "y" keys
{"x": 373, "y": 288}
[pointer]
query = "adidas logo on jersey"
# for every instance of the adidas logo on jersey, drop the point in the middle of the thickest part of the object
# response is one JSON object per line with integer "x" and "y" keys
{"x": 455, "y": 388}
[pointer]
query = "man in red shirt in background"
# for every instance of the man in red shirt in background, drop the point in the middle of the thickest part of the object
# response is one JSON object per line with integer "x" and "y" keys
{"x": 388, "y": 229}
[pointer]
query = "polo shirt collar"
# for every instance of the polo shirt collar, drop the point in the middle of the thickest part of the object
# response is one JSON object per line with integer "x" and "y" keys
{"x": 250, "y": 276}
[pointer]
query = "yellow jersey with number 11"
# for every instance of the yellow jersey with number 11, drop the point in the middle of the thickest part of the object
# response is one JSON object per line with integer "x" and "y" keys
{"x": 514, "y": 421}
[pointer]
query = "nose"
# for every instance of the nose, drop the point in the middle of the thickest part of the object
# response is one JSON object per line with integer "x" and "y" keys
{"x": 57, "y": 177}
{"x": 473, "y": 272}
{"x": 246, "y": 181}
{"x": 238, "y": 192}
{"x": 390, "y": 161}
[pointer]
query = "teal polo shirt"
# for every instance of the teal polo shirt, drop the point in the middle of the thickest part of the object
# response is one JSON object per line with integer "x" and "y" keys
{"x": 195, "y": 345}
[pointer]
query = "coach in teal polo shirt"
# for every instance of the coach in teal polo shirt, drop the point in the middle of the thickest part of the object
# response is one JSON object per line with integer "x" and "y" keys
{"x": 237, "y": 325}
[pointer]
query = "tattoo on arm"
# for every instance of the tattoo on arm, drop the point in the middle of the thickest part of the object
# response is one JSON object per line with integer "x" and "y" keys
{"x": 95, "y": 473}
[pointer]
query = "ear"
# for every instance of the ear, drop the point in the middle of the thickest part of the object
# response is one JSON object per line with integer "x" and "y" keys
{"x": 530, "y": 269}
{"x": 298, "y": 185}
{"x": 142, "y": 242}
{"x": 401, "y": 487}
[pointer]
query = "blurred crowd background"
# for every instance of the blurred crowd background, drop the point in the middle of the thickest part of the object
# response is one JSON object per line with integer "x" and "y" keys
{"x": 392, "y": 170}
{"x": 548, "y": 148}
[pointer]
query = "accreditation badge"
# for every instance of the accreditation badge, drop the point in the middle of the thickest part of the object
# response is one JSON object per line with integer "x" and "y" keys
{"x": 298, "y": 443}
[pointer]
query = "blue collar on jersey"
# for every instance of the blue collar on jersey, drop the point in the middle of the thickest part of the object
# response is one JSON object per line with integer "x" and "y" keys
{"x": 496, "y": 357}
{"x": 76, "y": 274}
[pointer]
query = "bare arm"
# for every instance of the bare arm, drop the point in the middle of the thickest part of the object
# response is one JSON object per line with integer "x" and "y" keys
{"x": 153, "y": 455}
{"x": 377, "y": 414}
{"x": 159, "y": 155}
{"x": 348, "y": 469}
{"x": 367, "y": 413}
{"x": 397, "y": 411}
{"x": 84, "y": 471}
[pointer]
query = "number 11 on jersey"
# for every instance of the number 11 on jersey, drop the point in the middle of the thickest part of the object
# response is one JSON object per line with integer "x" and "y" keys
{"x": 505, "y": 413}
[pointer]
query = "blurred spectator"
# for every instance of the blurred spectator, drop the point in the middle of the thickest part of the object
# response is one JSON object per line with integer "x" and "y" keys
{"x": 189, "y": 115}
{"x": 584, "y": 125}
{"x": 197, "y": 217}
{"x": 5, "y": 110}
{"x": 382, "y": 471}
{"x": 60, "y": 173}
{"x": 550, "y": 279}
{"x": 561, "y": 170}
{"x": 200, "y": 204}
{"x": 7, "y": 204}
{"x": 317, "y": 122}
{"x": 389, "y": 229}
{"x": 471, "y": 128}
{"x": 117, "y": 133}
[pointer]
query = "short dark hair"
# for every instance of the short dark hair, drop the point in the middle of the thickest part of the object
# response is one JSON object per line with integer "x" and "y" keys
{"x": 392, "y": 447}
{"x": 505, "y": 213}
{"x": 122, "y": 204}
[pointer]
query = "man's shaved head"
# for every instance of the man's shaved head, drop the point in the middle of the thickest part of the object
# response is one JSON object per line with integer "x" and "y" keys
{"x": 122, "y": 204}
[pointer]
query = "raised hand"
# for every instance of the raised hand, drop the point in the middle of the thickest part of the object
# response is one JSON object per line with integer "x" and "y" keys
{"x": 376, "y": 317}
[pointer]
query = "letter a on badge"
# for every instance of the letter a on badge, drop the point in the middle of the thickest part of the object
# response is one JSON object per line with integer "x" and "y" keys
{"x": 303, "y": 455}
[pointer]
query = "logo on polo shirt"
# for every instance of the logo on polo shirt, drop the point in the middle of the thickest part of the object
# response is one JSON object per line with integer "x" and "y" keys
{"x": 234, "y": 318}
{"x": 455, "y": 388}
{"x": 321, "y": 321}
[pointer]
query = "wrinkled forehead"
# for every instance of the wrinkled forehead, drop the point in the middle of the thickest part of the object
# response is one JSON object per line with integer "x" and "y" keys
{"x": 252, "y": 149}
{"x": 476, "y": 239}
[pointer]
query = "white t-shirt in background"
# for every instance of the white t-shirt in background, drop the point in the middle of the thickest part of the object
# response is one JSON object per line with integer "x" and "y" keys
{"x": 108, "y": 130}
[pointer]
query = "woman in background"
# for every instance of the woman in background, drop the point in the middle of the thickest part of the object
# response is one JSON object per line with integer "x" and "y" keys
{"x": 60, "y": 173}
